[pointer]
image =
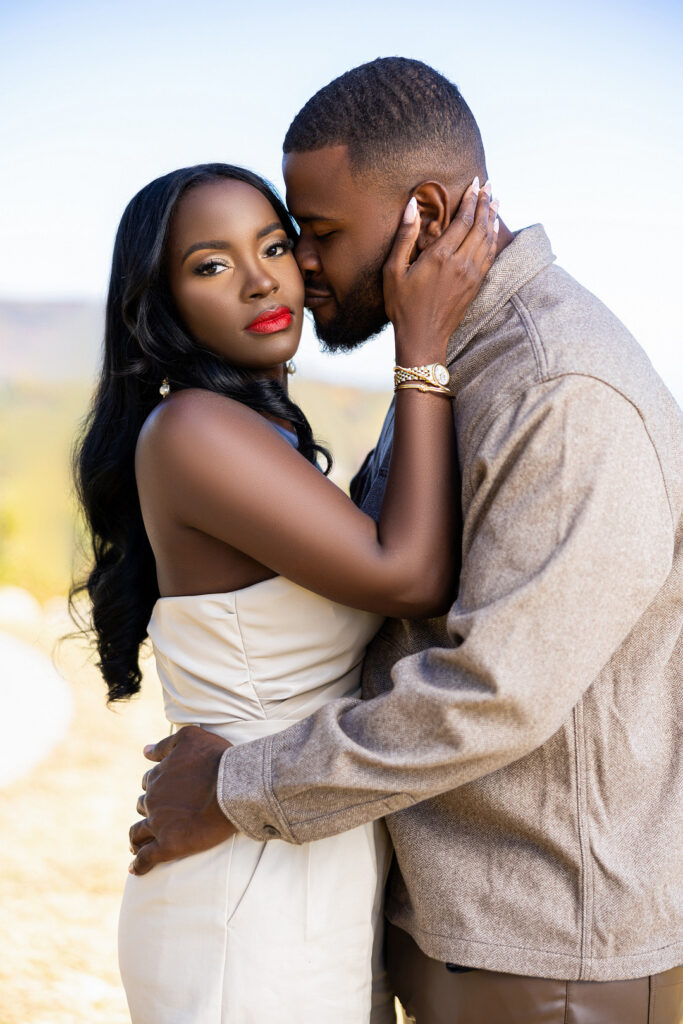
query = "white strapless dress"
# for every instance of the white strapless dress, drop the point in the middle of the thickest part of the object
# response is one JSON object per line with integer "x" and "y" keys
{"x": 251, "y": 932}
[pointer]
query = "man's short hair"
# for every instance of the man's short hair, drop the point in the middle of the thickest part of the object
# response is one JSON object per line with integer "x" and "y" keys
{"x": 396, "y": 116}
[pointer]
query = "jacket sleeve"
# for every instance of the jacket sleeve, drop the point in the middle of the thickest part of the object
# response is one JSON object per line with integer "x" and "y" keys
{"x": 567, "y": 538}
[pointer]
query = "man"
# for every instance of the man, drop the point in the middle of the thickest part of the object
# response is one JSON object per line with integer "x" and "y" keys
{"x": 523, "y": 747}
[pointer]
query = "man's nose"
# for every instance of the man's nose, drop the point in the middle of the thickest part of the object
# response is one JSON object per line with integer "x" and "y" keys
{"x": 307, "y": 257}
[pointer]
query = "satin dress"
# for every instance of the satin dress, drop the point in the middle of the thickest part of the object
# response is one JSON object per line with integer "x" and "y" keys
{"x": 251, "y": 932}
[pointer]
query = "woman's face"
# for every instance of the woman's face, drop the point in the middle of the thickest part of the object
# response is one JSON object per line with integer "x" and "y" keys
{"x": 233, "y": 275}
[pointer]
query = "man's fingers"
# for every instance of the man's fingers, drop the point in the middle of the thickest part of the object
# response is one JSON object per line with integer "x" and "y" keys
{"x": 140, "y": 805}
{"x": 145, "y": 859}
{"x": 406, "y": 237}
{"x": 158, "y": 751}
{"x": 139, "y": 834}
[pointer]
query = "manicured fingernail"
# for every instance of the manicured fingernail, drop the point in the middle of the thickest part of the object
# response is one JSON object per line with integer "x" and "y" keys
{"x": 496, "y": 226}
{"x": 487, "y": 189}
{"x": 494, "y": 205}
{"x": 148, "y": 749}
{"x": 475, "y": 186}
{"x": 131, "y": 868}
{"x": 410, "y": 213}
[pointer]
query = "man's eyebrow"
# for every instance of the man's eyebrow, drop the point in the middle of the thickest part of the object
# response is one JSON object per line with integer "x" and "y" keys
{"x": 218, "y": 244}
{"x": 309, "y": 217}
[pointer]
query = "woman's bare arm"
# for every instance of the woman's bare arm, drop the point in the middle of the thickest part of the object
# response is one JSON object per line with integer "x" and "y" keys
{"x": 221, "y": 469}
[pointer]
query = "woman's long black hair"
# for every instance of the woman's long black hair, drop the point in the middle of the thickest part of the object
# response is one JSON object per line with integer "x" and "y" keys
{"x": 145, "y": 341}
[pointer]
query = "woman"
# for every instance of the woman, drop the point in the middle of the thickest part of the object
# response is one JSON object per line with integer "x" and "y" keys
{"x": 259, "y": 581}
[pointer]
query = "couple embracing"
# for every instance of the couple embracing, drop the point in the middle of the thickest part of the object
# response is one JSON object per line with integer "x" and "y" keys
{"x": 424, "y": 741}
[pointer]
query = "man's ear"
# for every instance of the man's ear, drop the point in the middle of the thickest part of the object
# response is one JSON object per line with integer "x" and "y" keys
{"x": 434, "y": 205}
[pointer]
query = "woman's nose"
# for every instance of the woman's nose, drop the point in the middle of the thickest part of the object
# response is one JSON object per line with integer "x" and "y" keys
{"x": 259, "y": 282}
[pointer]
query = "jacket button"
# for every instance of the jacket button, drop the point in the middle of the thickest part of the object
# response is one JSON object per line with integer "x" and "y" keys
{"x": 270, "y": 830}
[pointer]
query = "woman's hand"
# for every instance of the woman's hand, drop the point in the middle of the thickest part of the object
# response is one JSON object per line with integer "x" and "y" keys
{"x": 427, "y": 299}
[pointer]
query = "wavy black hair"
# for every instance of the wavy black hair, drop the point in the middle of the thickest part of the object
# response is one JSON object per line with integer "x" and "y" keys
{"x": 145, "y": 341}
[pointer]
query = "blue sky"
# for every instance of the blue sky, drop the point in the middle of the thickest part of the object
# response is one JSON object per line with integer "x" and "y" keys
{"x": 580, "y": 104}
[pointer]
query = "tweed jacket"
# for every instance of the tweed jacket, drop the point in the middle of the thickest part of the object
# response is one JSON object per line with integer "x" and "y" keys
{"x": 525, "y": 748}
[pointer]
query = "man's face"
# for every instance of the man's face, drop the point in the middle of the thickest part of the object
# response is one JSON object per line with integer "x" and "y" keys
{"x": 346, "y": 235}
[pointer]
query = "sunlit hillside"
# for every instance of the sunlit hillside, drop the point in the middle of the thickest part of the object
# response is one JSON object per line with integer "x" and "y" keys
{"x": 48, "y": 353}
{"x": 37, "y": 523}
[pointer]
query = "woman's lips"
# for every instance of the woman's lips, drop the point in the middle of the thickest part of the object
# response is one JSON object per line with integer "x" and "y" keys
{"x": 271, "y": 321}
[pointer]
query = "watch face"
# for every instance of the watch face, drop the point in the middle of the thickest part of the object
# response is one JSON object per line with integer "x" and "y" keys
{"x": 442, "y": 375}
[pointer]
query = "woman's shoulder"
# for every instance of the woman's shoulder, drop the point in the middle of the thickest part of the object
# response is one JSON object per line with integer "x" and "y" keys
{"x": 194, "y": 420}
{"x": 192, "y": 413}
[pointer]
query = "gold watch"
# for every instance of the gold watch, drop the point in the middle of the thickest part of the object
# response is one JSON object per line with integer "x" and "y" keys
{"x": 435, "y": 373}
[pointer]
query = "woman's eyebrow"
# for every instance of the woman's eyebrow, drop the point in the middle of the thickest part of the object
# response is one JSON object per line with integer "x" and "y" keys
{"x": 205, "y": 245}
{"x": 218, "y": 244}
{"x": 268, "y": 230}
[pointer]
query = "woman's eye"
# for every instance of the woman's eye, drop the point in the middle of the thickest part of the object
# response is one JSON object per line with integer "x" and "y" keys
{"x": 210, "y": 268}
{"x": 280, "y": 247}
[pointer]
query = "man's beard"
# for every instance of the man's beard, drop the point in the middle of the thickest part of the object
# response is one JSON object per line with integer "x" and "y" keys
{"x": 359, "y": 316}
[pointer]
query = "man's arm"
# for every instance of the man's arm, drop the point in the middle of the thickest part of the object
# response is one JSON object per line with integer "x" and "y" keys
{"x": 567, "y": 538}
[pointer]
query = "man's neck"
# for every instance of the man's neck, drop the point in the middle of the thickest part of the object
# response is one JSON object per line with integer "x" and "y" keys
{"x": 505, "y": 236}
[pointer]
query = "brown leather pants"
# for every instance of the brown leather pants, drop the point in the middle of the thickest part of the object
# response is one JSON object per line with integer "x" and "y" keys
{"x": 431, "y": 994}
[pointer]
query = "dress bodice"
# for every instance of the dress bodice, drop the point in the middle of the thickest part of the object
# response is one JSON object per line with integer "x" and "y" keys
{"x": 248, "y": 662}
{"x": 251, "y": 930}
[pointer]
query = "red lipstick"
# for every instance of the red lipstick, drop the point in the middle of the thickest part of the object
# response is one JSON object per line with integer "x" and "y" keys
{"x": 271, "y": 321}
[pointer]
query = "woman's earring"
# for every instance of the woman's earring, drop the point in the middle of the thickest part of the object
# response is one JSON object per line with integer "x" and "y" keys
{"x": 290, "y": 367}
{"x": 165, "y": 388}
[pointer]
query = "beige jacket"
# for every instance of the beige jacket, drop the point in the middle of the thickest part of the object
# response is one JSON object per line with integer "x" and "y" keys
{"x": 526, "y": 747}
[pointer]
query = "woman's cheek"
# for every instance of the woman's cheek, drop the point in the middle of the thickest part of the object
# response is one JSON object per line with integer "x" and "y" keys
{"x": 297, "y": 289}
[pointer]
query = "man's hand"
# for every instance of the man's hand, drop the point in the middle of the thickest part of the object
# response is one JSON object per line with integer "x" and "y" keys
{"x": 181, "y": 811}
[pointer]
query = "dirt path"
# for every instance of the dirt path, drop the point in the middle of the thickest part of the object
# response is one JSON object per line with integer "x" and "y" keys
{"x": 36, "y": 708}
{"x": 64, "y": 855}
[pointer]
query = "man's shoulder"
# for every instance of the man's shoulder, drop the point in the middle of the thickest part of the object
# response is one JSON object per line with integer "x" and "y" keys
{"x": 550, "y": 328}
{"x": 552, "y": 325}
{"x": 574, "y": 333}
{"x": 572, "y": 330}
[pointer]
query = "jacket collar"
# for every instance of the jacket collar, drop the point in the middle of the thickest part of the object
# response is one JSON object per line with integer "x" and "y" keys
{"x": 527, "y": 254}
